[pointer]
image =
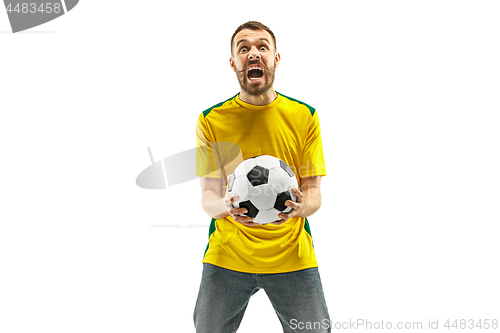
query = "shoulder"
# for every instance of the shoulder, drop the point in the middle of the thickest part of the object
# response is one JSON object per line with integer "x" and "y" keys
{"x": 298, "y": 103}
{"x": 205, "y": 113}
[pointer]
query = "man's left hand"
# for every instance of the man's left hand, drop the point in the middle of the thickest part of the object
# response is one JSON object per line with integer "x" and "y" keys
{"x": 297, "y": 207}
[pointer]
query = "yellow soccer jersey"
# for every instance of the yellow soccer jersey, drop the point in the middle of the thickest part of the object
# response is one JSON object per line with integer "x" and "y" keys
{"x": 287, "y": 129}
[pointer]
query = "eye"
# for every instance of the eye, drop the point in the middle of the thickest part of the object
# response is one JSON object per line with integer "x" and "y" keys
{"x": 263, "y": 48}
{"x": 243, "y": 49}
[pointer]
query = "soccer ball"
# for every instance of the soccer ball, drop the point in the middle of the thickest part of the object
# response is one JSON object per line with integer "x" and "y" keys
{"x": 263, "y": 185}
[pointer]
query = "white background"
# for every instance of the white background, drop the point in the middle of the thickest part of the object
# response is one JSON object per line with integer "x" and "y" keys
{"x": 408, "y": 97}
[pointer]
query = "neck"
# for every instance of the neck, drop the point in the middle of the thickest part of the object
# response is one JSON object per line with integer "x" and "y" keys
{"x": 265, "y": 98}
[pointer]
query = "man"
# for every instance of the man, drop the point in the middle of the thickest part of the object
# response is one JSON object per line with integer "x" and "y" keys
{"x": 242, "y": 256}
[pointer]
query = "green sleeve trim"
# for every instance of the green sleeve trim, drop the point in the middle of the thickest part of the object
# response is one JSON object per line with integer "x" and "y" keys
{"x": 311, "y": 109}
{"x": 211, "y": 230}
{"x": 207, "y": 111}
{"x": 307, "y": 227}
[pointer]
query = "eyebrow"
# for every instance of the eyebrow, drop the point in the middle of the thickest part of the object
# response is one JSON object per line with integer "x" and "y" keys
{"x": 246, "y": 40}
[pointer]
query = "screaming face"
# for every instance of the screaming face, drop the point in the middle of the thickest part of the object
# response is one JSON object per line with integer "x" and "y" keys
{"x": 256, "y": 78}
{"x": 254, "y": 61}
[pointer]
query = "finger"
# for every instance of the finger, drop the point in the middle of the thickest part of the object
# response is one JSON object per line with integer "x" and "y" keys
{"x": 245, "y": 220}
{"x": 298, "y": 194}
{"x": 279, "y": 222}
{"x": 241, "y": 218}
{"x": 250, "y": 224}
{"x": 229, "y": 200}
{"x": 293, "y": 205}
{"x": 290, "y": 214}
{"x": 238, "y": 211}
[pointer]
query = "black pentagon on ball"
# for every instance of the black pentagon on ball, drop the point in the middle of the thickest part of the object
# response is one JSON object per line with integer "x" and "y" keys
{"x": 281, "y": 199}
{"x": 252, "y": 210}
{"x": 231, "y": 182}
{"x": 258, "y": 175}
{"x": 287, "y": 168}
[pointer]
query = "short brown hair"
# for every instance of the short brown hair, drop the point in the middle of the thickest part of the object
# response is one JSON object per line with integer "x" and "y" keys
{"x": 252, "y": 25}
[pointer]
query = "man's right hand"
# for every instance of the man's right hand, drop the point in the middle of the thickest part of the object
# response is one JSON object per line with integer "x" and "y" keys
{"x": 236, "y": 212}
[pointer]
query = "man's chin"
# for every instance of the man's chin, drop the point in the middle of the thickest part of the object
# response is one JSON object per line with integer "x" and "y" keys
{"x": 257, "y": 88}
{"x": 256, "y": 91}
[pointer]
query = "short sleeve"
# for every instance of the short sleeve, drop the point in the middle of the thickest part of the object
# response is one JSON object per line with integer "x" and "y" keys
{"x": 313, "y": 162}
{"x": 207, "y": 159}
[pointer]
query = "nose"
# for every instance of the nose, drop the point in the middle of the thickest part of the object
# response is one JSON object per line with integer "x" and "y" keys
{"x": 254, "y": 54}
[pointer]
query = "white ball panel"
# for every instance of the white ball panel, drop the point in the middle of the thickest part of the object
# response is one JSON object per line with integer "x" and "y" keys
{"x": 244, "y": 167}
{"x": 279, "y": 180}
{"x": 267, "y": 216}
{"x": 267, "y": 161}
{"x": 263, "y": 196}
{"x": 294, "y": 183}
{"x": 241, "y": 188}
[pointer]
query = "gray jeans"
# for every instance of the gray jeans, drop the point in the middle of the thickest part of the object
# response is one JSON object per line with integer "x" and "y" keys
{"x": 297, "y": 298}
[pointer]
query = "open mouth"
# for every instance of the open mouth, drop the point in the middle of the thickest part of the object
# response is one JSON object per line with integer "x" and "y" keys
{"x": 255, "y": 74}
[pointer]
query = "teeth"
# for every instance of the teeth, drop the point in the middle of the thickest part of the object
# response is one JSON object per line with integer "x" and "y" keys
{"x": 254, "y": 67}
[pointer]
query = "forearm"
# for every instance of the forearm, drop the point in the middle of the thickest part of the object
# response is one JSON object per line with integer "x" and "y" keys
{"x": 213, "y": 205}
{"x": 311, "y": 200}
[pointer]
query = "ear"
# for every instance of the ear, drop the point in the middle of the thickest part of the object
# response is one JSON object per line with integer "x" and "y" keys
{"x": 277, "y": 58}
{"x": 231, "y": 63}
